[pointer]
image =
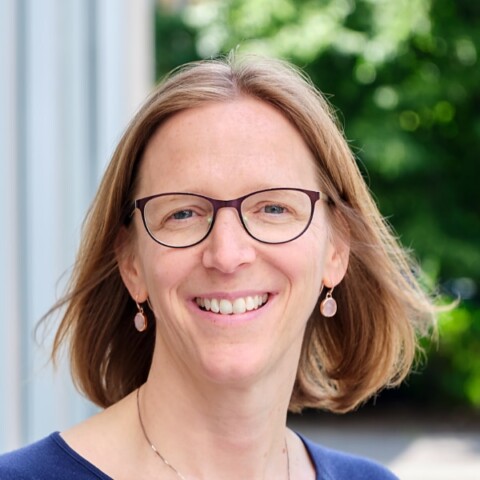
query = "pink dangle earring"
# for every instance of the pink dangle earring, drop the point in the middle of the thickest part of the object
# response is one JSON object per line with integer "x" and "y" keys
{"x": 140, "y": 319}
{"x": 328, "y": 307}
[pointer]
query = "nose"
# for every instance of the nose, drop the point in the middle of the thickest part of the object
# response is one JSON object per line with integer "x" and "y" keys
{"x": 228, "y": 246}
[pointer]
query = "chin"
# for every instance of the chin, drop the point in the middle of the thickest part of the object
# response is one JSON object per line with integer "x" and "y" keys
{"x": 235, "y": 367}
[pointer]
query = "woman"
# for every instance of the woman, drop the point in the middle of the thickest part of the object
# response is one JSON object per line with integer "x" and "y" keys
{"x": 233, "y": 267}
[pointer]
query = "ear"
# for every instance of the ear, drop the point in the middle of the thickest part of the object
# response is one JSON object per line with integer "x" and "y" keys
{"x": 336, "y": 261}
{"x": 129, "y": 265}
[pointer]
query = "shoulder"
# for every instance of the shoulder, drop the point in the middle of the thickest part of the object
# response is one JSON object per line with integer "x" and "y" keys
{"x": 50, "y": 458}
{"x": 26, "y": 462}
{"x": 334, "y": 465}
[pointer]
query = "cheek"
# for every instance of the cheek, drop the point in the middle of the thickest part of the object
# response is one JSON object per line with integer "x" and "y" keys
{"x": 304, "y": 265}
{"x": 162, "y": 271}
{"x": 318, "y": 245}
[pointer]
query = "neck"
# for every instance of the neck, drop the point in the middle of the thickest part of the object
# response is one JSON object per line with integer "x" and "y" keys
{"x": 246, "y": 424}
{"x": 247, "y": 470}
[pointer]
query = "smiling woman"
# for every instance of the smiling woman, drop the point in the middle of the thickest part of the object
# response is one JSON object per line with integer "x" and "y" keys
{"x": 202, "y": 306}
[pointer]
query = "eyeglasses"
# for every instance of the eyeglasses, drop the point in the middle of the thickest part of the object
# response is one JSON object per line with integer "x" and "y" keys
{"x": 275, "y": 215}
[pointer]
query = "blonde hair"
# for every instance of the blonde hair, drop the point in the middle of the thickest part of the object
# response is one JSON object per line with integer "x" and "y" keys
{"x": 369, "y": 344}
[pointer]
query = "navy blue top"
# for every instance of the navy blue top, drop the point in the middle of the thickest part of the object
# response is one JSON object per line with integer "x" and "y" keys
{"x": 52, "y": 459}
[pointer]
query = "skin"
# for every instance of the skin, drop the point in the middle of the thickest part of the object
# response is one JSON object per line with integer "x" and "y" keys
{"x": 219, "y": 383}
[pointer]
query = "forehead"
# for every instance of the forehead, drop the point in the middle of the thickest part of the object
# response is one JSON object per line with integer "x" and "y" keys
{"x": 244, "y": 143}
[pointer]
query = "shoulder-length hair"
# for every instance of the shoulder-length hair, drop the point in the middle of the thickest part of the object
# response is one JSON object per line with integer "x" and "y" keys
{"x": 368, "y": 345}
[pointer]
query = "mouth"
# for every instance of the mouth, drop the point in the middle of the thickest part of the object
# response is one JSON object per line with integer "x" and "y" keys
{"x": 224, "y": 306}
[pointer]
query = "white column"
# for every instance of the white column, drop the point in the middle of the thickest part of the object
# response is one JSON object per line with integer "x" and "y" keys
{"x": 73, "y": 72}
{"x": 10, "y": 319}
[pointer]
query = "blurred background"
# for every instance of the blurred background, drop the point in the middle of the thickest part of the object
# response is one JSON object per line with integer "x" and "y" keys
{"x": 404, "y": 77}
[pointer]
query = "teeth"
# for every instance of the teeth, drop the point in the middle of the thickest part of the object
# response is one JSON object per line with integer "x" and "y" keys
{"x": 239, "y": 305}
{"x": 214, "y": 305}
{"x": 227, "y": 307}
{"x": 249, "y": 303}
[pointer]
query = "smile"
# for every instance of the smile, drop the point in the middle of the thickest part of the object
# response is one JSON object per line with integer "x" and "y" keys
{"x": 228, "y": 307}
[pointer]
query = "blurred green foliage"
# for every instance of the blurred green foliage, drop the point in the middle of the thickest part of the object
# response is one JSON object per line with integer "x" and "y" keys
{"x": 404, "y": 77}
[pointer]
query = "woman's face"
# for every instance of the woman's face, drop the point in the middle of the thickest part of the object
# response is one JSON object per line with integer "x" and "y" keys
{"x": 224, "y": 151}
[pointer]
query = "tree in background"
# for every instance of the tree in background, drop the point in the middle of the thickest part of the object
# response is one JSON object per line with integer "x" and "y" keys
{"x": 404, "y": 77}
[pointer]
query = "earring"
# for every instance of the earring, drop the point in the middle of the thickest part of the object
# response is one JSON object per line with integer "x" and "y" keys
{"x": 140, "y": 319}
{"x": 328, "y": 308}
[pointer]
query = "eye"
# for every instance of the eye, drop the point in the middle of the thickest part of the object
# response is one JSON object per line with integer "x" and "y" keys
{"x": 176, "y": 212}
{"x": 274, "y": 209}
{"x": 270, "y": 212}
{"x": 183, "y": 214}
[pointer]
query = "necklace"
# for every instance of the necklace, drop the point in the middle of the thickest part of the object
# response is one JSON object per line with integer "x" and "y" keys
{"x": 165, "y": 461}
{"x": 152, "y": 446}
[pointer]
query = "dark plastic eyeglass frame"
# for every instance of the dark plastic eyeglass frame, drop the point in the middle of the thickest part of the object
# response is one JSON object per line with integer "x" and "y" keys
{"x": 235, "y": 203}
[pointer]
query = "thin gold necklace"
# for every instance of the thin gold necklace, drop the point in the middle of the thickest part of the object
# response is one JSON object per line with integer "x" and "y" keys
{"x": 165, "y": 461}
